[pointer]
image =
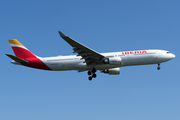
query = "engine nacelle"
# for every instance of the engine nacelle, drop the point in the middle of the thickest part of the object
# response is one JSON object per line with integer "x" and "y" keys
{"x": 113, "y": 61}
{"x": 112, "y": 71}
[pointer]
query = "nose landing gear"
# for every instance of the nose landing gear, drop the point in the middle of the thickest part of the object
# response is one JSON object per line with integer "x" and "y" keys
{"x": 158, "y": 66}
{"x": 92, "y": 73}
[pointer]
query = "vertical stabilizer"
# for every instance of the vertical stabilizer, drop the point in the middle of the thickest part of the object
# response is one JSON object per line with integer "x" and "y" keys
{"x": 19, "y": 49}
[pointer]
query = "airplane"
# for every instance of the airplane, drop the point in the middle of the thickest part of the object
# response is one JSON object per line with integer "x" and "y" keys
{"x": 87, "y": 59}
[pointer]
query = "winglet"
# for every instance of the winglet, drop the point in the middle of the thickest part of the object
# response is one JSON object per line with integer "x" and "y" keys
{"x": 62, "y": 34}
{"x": 17, "y": 59}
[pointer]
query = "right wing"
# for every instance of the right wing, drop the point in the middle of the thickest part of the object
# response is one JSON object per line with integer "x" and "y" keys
{"x": 90, "y": 56}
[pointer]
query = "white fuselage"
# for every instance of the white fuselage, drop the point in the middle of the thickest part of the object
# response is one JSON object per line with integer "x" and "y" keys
{"x": 87, "y": 59}
{"x": 128, "y": 58}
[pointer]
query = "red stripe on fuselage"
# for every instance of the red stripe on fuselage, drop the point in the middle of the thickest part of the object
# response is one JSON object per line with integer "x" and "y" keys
{"x": 36, "y": 63}
{"x": 33, "y": 61}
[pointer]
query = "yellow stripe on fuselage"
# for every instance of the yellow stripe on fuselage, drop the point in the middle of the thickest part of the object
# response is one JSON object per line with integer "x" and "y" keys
{"x": 14, "y": 41}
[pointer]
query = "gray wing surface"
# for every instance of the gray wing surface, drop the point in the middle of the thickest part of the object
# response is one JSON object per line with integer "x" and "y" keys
{"x": 90, "y": 56}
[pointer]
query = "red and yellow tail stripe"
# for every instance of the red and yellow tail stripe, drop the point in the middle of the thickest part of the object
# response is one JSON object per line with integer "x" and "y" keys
{"x": 16, "y": 43}
{"x": 20, "y": 50}
{"x": 23, "y": 53}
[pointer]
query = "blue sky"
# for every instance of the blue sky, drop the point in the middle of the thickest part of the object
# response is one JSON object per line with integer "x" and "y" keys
{"x": 138, "y": 93}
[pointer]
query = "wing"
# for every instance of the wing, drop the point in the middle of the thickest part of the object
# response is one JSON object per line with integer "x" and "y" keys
{"x": 90, "y": 56}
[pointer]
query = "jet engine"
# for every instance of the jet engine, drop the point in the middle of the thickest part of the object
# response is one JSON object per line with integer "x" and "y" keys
{"x": 112, "y": 71}
{"x": 112, "y": 61}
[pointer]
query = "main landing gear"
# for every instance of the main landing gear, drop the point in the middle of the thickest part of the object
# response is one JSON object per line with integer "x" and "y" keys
{"x": 158, "y": 66}
{"x": 92, "y": 74}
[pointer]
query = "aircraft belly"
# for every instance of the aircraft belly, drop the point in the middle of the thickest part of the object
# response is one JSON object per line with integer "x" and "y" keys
{"x": 63, "y": 65}
{"x": 83, "y": 66}
{"x": 106, "y": 66}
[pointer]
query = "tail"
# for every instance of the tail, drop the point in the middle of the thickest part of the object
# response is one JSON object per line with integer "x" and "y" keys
{"x": 25, "y": 57}
{"x": 21, "y": 51}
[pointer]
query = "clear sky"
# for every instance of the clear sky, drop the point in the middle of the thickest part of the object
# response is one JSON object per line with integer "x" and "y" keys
{"x": 138, "y": 93}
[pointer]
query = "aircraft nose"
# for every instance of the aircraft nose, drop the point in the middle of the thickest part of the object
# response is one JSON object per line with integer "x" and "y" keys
{"x": 166, "y": 57}
{"x": 173, "y": 56}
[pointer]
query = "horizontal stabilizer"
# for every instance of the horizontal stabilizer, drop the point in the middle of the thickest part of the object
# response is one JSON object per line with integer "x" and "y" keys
{"x": 17, "y": 59}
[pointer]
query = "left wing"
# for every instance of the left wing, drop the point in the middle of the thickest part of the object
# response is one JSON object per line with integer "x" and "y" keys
{"x": 86, "y": 53}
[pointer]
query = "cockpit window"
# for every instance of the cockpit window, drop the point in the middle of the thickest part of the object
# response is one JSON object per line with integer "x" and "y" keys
{"x": 168, "y": 52}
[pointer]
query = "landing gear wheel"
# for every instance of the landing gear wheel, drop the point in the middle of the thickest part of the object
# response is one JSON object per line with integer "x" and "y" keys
{"x": 90, "y": 78}
{"x": 94, "y": 75}
{"x": 93, "y": 70}
{"x": 89, "y": 72}
{"x": 158, "y": 66}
